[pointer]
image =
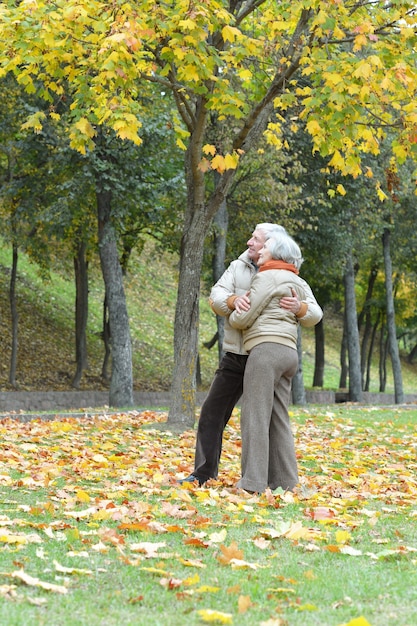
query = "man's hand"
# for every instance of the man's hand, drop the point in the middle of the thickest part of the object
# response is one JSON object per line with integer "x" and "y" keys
{"x": 292, "y": 304}
{"x": 242, "y": 303}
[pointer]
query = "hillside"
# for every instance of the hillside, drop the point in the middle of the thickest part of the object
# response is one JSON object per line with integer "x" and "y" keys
{"x": 46, "y": 338}
{"x": 46, "y": 325}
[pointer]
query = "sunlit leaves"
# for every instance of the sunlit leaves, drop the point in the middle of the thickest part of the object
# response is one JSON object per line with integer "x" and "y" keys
{"x": 359, "y": 65}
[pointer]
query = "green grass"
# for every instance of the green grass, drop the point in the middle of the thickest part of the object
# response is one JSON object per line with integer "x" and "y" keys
{"x": 95, "y": 495}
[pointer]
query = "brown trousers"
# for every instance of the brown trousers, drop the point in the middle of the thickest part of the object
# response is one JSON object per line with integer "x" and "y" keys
{"x": 268, "y": 450}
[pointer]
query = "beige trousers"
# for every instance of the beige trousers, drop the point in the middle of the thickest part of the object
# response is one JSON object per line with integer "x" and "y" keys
{"x": 268, "y": 450}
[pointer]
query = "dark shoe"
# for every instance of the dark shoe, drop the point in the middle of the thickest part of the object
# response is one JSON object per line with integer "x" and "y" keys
{"x": 192, "y": 479}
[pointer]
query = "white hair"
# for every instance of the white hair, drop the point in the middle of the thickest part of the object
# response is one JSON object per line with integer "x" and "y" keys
{"x": 284, "y": 248}
{"x": 267, "y": 228}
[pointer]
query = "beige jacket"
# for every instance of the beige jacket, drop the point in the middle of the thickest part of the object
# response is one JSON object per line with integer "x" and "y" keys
{"x": 236, "y": 281}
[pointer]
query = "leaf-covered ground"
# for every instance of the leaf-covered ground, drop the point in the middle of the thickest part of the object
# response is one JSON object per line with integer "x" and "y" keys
{"x": 92, "y": 512}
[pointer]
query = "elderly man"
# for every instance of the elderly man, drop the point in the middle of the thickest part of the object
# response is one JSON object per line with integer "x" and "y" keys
{"x": 227, "y": 295}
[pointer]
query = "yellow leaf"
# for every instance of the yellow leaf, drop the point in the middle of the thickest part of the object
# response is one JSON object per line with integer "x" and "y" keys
{"x": 342, "y": 536}
{"x": 84, "y": 126}
{"x": 357, "y": 621}
{"x": 313, "y": 127}
{"x": 340, "y": 189}
{"x": 231, "y": 161}
{"x": 209, "y": 149}
{"x": 192, "y": 580}
{"x": 192, "y": 563}
{"x": 363, "y": 70}
{"x": 230, "y": 33}
{"x": 34, "y": 122}
{"x": 218, "y": 163}
{"x": 337, "y": 161}
{"x": 19, "y": 539}
{"x": 245, "y": 74}
{"x": 381, "y": 195}
{"x": 190, "y": 73}
{"x": 82, "y": 496}
{"x": 207, "y": 615}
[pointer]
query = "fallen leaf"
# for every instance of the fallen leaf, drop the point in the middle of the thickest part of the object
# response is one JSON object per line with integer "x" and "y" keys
{"x": 208, "y": 615}
{"x": 36, "y": 582}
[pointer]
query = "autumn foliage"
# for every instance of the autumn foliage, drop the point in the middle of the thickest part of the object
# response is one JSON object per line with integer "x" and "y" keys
{"x": 104, "y": 490}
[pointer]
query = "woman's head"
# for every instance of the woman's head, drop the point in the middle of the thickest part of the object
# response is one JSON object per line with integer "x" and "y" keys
{"x": 280, "y": 246}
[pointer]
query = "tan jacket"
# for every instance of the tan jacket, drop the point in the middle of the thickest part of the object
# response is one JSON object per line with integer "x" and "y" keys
{"x": 266, "y": 320}
{"x": 237, "y": 280}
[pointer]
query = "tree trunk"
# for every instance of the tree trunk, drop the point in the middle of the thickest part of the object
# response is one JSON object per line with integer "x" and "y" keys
{"x": 343, "y": 358}
{"x": 121, "y": 384}
{"x": 352, "y": 333}
{"x": 382, "y": 359}
{"x": 392, "y": 331}
{"x": 298, "y": 390}
{"x": 14, "y": 316}
{"x": 81, "y": 312}
{"x": 318, "y": 379}
{"x": 182, "y": 407}
{"x": 105, "y": 335}
{"x": 370, "y": 352}
{"x": 365, "y": 314}
{"x": 412, "y": 354}
{"x": 220, "y": 222}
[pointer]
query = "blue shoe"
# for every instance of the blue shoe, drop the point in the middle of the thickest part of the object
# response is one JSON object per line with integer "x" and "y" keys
{"x": 192, "y": 479}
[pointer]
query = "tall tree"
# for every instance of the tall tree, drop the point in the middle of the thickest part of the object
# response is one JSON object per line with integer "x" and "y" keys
{"x": 239, "y": 59}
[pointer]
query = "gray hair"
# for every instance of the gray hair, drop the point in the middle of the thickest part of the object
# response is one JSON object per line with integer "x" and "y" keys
{"x": 284, "y": 248}
{"x": 269, "y": 228}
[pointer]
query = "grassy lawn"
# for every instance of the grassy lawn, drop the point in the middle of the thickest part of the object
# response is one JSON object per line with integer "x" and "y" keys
{"x": 95, "y": 530}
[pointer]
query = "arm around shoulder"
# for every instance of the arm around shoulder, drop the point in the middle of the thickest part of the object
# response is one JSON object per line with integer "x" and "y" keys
{"x": 311, "y": 312}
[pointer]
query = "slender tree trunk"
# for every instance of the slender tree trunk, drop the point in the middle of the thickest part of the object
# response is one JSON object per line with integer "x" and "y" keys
{"x": 318, "y": 379}
{"x": 298, "y": 389}
{"x": 392, "y": 331}
{"x": 370, "y": 352}
{"x": 343, "y": 357}
{"x": 352, "y": 333}
{"x": 382, "y": 359}
{"x": 105, "y": 335}
{"x": 412, "y": 354}
{"x": 365, "y": 314}
{"x": 81, "y": 312}
{"x": 366, "y": 337}
{"x": 220, "y": 223}
{"x": 14, "y": 316}
{"x": 121, "y": 384}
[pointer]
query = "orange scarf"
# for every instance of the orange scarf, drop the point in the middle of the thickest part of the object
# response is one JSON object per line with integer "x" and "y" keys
{"x": 278, "y": 265}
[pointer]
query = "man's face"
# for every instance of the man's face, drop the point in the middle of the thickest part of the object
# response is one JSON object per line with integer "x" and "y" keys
{"x": 255, "y": 243}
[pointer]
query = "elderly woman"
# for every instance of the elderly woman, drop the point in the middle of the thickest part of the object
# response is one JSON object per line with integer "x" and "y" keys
{"x": 270, "y": 338}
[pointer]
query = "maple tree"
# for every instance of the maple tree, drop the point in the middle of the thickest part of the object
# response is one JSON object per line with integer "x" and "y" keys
{"x": 347, "y": 71}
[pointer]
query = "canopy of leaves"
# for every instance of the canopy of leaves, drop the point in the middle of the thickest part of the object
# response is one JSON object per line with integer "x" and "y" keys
{"x": 348, "y": 71}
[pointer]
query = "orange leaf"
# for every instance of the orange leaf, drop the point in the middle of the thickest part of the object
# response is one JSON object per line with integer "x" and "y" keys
{"x": 244, "y": 603}
{"x": 229, "y": 553}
